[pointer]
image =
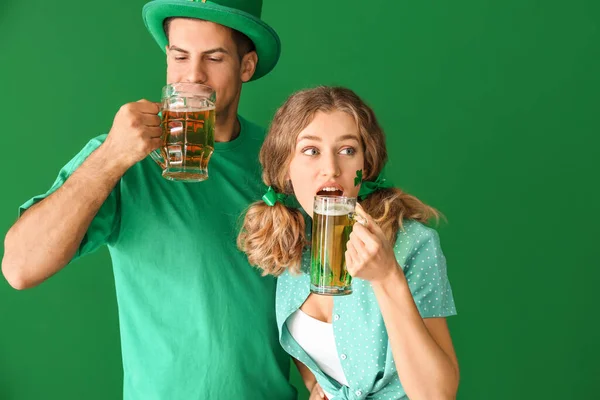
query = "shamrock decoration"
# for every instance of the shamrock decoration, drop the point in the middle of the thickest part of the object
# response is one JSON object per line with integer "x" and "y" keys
{"x": 358, "y": 179}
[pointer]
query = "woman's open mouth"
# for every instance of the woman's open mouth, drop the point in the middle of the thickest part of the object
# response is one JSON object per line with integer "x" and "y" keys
{"x": 330, "y": 191}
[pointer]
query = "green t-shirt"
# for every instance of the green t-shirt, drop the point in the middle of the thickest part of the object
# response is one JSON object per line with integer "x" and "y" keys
{"x": 197, "y": 321}
{"x": 360, "y": 335}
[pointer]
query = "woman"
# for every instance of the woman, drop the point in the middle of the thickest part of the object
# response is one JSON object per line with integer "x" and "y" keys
{"x": 389, "y": 338}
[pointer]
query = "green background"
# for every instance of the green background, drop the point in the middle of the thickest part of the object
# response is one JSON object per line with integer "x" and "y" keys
{"x": 491, "y": 111}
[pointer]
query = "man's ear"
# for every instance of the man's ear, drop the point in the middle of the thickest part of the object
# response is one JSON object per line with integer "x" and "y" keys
{"x": 248, "y": 66}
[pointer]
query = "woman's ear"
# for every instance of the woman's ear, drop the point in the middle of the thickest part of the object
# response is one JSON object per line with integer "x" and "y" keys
{"x": 289, "y": 188}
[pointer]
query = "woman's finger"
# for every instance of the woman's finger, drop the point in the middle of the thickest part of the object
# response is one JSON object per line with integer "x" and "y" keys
{"x": 363, "y": 235}
{"x": 350, "y": 260}
{"x": 351, "y": 249}
{"x": 371, "y": 224}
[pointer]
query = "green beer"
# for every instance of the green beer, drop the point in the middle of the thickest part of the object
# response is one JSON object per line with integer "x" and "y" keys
{"x": 333, "y": 217}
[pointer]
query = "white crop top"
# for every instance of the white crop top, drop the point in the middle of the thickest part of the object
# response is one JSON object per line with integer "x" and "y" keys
{"x": 317, "y": 339}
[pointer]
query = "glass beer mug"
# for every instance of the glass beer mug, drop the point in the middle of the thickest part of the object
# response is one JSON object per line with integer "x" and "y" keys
{"x": 188, "y": 123}
{"x": 333, "y": 218}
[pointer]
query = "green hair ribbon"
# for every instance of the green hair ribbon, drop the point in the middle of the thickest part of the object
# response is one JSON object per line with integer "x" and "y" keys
{"x": 368, "y": 187}
{"x": 272, "y": 197}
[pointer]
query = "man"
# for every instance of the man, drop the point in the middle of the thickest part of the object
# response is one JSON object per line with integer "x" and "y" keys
{"x": 197, "y": 322}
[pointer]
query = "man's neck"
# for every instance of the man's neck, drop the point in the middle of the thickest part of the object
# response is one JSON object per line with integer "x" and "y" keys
{"x": 227, "y": 126}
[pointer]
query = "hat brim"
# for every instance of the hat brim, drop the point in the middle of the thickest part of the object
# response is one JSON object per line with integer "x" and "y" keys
{"x": 265, "y": 39}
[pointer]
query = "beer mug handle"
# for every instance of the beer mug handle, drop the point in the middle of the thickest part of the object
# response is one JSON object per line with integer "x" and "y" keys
{"x": 355, "y": 217}
{"x": 158, "y": 158}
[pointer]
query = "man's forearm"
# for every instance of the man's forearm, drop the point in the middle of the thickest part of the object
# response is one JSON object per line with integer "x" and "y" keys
{"x": 48, "y": 235}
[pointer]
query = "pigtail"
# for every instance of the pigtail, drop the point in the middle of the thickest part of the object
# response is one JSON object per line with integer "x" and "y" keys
{"x": 389, "y": 207}
{"x": 273, "y": 238}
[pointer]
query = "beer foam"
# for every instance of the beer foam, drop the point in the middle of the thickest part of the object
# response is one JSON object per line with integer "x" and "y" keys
{"x": 190, "y": 109}
{"x": 333, "y": 210}
{"x": 192, "y": 104}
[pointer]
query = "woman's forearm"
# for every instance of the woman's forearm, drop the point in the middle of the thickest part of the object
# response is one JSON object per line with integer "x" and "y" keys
{"x": 425, "y": 370}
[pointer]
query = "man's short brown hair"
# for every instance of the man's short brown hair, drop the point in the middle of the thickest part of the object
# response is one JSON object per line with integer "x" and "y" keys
{"x": 242, "y": 42}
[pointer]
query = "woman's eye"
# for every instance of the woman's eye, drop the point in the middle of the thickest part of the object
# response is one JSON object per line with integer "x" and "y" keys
{"x": 311, "y": 151}
{"x": 348, "y": 151}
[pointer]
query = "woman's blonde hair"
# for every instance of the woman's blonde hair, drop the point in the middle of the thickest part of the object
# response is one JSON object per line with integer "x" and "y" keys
{"x": 273, "y": 237}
